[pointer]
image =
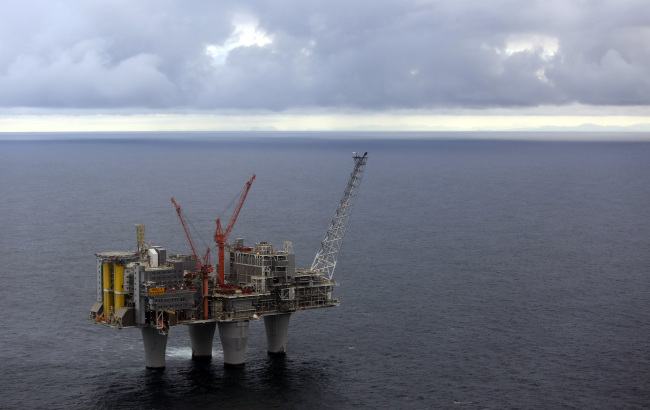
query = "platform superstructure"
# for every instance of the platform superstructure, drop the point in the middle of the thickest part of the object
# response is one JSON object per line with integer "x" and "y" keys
{"x": 154, "y": 290}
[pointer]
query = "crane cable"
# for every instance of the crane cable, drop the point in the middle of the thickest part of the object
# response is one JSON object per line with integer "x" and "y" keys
{"x": 229, "y": 206}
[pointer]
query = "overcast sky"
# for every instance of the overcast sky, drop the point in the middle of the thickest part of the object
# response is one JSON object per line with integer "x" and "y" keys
{"x": 343, "y": 64}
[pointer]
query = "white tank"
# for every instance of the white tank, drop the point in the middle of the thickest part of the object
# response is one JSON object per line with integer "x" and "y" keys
{"x": 153, "y": 258}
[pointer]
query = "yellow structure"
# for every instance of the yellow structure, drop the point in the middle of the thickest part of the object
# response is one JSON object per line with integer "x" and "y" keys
{"x": 141, "y": 239}
{"x": 118, "y": 285}
{"x": 108, "y": 288}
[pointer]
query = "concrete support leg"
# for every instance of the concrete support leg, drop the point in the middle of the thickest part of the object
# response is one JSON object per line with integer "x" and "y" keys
{"x": 234, "y": 338}
{"x": 201, "y": 335}
{"x": 277, "y": 327}
{"x": 155, "y": 345}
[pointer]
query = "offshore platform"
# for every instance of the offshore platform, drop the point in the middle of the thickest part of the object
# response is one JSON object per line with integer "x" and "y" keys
{"x": 155, "y": 291}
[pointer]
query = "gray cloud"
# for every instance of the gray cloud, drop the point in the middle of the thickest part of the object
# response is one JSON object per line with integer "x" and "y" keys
{"x": 371, "y": 55}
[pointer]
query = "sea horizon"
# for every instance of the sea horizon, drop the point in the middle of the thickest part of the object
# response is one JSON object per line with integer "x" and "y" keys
{"x": 205, "y": 136}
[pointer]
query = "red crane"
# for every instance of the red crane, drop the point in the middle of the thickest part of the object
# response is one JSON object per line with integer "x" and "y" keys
{"x": 220, "y": 237}
{"x": 202, "y": 266}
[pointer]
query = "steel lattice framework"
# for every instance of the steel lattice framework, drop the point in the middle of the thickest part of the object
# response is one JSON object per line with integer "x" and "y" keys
{"x": 325, "y": 260}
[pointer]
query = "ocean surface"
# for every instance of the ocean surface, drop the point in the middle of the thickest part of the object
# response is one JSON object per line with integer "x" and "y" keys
{"x": 475, "y": 273}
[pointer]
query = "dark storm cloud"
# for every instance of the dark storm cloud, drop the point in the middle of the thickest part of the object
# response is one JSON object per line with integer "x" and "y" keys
{"x": 364, "y": 54}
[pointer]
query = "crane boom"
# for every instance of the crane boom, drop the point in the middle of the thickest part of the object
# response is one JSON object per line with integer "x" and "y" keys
{"x": 325, "y": 260}
{"x": 221, "y": 237}
{"x": 188, "y": 235}
{"x": 202, "y": 266}
{"x": 235, "y": 213}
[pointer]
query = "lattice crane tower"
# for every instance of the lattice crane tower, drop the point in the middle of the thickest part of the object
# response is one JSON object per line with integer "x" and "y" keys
{"x": 325, "y": 260}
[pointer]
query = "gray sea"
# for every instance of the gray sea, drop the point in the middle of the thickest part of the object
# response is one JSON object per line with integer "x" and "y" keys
{"x": 476, "y": 273}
